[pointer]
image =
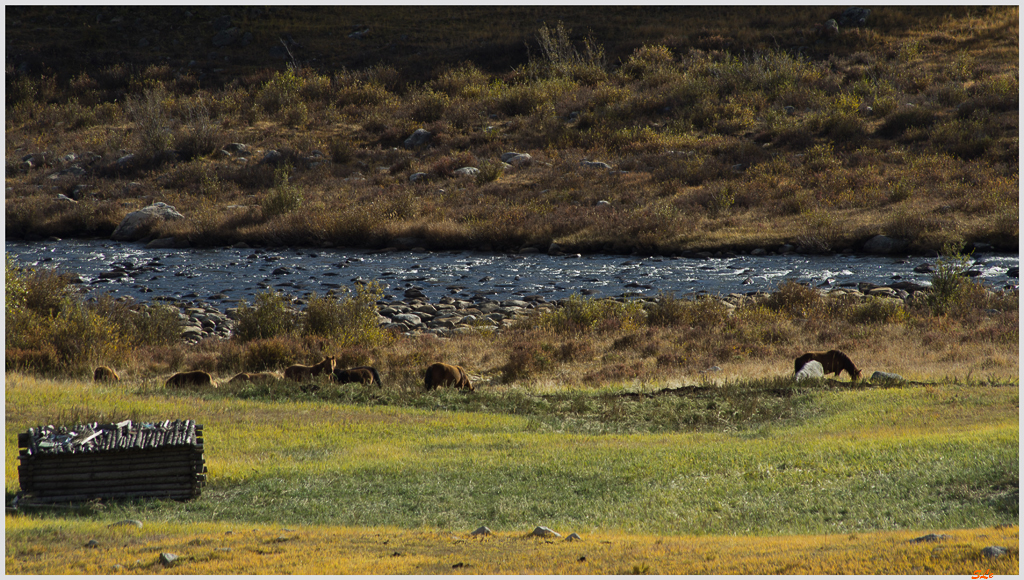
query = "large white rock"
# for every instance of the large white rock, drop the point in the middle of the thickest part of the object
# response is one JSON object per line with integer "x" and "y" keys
{"x": 137, "y": 224}
{"x": 811, "y": 370}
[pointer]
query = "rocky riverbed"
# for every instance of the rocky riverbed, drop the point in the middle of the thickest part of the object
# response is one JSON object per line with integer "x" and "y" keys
{"x": 413, "y": 314}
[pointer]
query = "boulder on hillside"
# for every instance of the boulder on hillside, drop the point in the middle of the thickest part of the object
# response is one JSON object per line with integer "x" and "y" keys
{"x": 137, "y": 224}
{"x": 884, "y": 245}
{"x": 418, "y": 138}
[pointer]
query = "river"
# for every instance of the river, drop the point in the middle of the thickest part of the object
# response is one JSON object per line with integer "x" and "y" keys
{"x": 223, "y": 276}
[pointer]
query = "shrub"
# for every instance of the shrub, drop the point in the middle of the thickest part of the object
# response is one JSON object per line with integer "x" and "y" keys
{"x": 948, "y": 283}
{"x": 526, "y": 357}
{"x": 283, "y": 198}
{"x": 269, "y": 317}
{"x": 267, "y": 354}
{"x": 794, "y": 299}
{"x": 897, "y": 123}
{"x": 199, "y": 137}
{"x": 561, "y": 58}
{"x": 704, "y": 312}
{"x": 279, "y": 91}
{"x": 152, "y": 126}
{"x": 351, "y": 320}
{"x": 877, "y": 310}
{"x": 578, "y": 315}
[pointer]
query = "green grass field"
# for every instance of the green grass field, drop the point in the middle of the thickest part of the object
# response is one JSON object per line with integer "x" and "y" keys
{"x": 919, "y": 457}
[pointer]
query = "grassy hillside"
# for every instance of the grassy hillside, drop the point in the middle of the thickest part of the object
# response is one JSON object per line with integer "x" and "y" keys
{"x": 723, "y": 127}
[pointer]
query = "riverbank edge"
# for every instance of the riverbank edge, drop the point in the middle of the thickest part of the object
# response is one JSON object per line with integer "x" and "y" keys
{"x": 555, "y": 249}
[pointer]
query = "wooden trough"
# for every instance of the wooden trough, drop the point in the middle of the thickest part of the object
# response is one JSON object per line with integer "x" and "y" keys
{"x": 111, "y": 461}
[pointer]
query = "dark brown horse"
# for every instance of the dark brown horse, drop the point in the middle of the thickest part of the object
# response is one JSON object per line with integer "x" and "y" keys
{"x": 305, "y": 373}
{"x": 363, "y": 375}
{"x": 105, "y": 374}
{"x": 833, "y": 361}
{"x": 253, "y": 377}
{"x": 440, "y": 374}
{"x": 191, "y": 379}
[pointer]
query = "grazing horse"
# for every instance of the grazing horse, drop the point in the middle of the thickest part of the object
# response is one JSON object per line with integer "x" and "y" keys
{"x": 833, "y": 362}
{"x": 364, "y": 375}
{"x": 253, "y": 377}
{"x": 440, "y": 374}
{"x": 191, "y": 379}
{"x": 305, "y": 373}
{"x": 105, "y": 374}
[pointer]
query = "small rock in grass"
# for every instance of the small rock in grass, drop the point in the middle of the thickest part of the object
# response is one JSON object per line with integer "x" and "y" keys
{"x": 993, "y": 551}
{"x": 543, "y": 532}
{"x": 929, "y": 538}
{"x": 135, "y": 523}
{"x": 166, "y": 558}
{"x": 573, "y": 537}
{"x": 481, "y": 531}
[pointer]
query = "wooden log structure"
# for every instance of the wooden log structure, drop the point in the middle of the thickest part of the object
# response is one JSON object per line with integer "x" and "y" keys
{"x": 111, "y": 461}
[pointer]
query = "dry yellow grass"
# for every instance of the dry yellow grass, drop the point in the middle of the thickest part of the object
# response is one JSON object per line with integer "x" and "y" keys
{"x": 59, "y": 546}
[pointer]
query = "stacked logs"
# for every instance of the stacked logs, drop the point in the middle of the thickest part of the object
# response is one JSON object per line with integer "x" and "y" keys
{"x": 111, "y": 461}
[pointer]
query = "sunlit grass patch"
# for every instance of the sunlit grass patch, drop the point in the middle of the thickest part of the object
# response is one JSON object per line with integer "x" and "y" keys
{"x": 60, "y": 546}
{"x": 836, "y": 461}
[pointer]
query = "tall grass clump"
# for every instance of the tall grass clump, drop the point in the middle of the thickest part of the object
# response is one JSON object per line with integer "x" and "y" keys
{"x": 578, "y": 315}
{"x": 350, "y": 320}
{"x": 561, "y": 58}
{"x": 268, "y": 317}
{"x": 949, "y": 286}
{"x": 49, "y": 329}
{"x": 148, "y": 113}
{"x": 283, "y": 198}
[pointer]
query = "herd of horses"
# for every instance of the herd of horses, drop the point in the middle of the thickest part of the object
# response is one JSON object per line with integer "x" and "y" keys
{"x": 437, "y": 375}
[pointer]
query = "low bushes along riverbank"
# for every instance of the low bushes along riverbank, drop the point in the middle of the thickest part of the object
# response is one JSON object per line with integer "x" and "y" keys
{"x": 957, "y": 328}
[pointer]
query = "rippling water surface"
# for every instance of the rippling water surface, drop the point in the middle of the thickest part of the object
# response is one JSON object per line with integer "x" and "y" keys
{"x": 223, "y": 276}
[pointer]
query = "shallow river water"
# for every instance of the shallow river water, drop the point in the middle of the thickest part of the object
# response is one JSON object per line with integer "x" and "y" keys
{"x": 222, "y": 276}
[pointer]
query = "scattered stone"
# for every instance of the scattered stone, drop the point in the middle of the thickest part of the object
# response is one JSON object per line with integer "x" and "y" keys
{"x": 92, "y": 544}
{"x": 573, "y": 537}
{"x": 542, "y": 532}
{"x": 467, "y": 172}
{"x": 419, "y": 138}
{"x": 929, "y": 538}
{"x": 272, "y": 157}
{"x": 925, "y": 268}
{"x": 604, "y": 203}
{"x": 595, "y": 164}
{"x": 884, "y": 245}
{"x": 137, "y": 224}
{"x": 993, "y": 552}
{"x": 417, "y": 176}
{"x": 135, "y": 523}
{"x": 516, "y": 159}
{"x": 481, "y": 531}
{"x": 879, "y": 376}
{"x": 811, "y": 370}
{"x": 166, "y": 558}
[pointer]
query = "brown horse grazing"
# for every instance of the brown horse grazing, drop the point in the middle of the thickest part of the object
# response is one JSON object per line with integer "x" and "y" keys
{"x": 440, "y": 374}
{"x": 105, "y": 374}
{"x": 191, "y": 379}
{"x": 305, "y": 373}
{"x": 253, "y": 377}
{"x": 833, "y": 361}
{"x": 364, "y": 375}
